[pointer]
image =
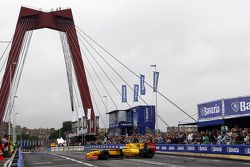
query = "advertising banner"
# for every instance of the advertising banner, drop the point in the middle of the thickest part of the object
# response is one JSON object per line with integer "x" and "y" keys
{"x": 155, "y": 81}
{"x": 237, "y": 106}
{"x": 136, "y": 92}
{"x": 192, "y": 148}
{"x": 142, "y": 85}
{"x": 124, "y": 94}
{"x": 210, "y": 110}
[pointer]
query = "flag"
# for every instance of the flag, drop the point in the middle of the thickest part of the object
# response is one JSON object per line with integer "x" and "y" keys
{"x": 155, "y": 81}
{"x": 124, "y": 93}
{"x": 136, "y": 90}
{"x": 142, "y": 85}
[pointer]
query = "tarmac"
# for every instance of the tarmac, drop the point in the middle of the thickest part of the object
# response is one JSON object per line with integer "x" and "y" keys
{"x": 203, "y": 155}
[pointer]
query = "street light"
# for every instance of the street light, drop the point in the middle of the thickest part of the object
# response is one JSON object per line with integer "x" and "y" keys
{"x": 10, "y": 87}
{"x": 14, "y": 121}
{"x": 156, "y": 111}
{"x": 106, "y": 116}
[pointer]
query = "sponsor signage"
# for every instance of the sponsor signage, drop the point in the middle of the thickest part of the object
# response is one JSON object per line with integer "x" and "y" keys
{"x": 115, "y": 125}
{"x": 193, "y": 148}
{"x": 210, "y": 110}
{"x": 237, "y": 106}
{"x": 125, "y": 124}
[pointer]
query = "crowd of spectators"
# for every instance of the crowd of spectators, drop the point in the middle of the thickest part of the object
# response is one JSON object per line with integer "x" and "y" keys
{"x": 232, "y": 136}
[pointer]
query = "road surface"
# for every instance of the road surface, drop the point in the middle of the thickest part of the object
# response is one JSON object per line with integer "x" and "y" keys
{"x": 75, "y": 159}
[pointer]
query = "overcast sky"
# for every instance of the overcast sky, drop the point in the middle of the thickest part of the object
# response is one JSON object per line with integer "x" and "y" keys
{"x": 201, "y": 49}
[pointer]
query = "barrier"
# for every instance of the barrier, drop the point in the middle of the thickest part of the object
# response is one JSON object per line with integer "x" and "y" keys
{"x": 20, "y": 158}
{"x": 193, "y": 148}
{"x": 67, "y": 148}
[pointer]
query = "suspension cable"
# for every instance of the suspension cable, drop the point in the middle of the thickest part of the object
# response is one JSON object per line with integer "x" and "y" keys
{"x": 100, "y": 68}
{"x": 61, "y": 22}
{"x": 111, "y": 67}
{"x": 98, "y": 77}
{"x": 20, "y": 28}
{"x": 100, "y": 80}
{"x": 68, "y": 66}
{"x": 18, "y": 72}
{"x": 170, "y": 101}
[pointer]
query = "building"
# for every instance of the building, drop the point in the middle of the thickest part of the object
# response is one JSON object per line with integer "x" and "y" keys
{"x": 79, "y": 132}
{"x": 135, "y": 120}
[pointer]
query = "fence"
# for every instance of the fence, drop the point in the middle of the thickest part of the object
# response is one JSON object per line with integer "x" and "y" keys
{"x": 69, "y": 148}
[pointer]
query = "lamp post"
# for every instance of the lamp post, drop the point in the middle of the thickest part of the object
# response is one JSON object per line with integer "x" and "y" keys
{"x": 156, "y": 110}
{"x": 106, "y": 116}
{"x": 14, "y": 121}
{"x": 10, "y": 96}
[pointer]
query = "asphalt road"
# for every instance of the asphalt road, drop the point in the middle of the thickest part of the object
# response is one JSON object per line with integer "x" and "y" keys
{"x": 74, "y": 159}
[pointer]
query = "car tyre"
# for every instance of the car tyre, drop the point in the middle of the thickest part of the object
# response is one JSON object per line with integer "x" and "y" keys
{"x": 146, "y": 153}
{"x": 104, "y": 155}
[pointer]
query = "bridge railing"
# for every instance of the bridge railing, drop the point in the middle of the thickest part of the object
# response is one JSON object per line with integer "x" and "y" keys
{"x": 15, "y": 160}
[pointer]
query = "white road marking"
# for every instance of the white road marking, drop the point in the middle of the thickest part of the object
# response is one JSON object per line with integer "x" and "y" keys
{"x": 154, "y": 163}
{"x": 41, "y": 163}
{"x": 191, "y": 158}
{"x": 74, "y": 160}
{"x": 215, "y": 160}
{"x": 246, "y": 163}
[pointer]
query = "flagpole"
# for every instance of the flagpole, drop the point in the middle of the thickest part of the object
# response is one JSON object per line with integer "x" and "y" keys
{"x": 106, "y": 115}
{"x": 156, "y": 110}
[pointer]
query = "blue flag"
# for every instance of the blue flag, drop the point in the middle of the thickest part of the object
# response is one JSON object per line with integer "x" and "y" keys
{"x": 124, "y": 93}
{"x": 155, "y": 81}
{"x": 142, "y": 84}
{"x": 136, "y": 90}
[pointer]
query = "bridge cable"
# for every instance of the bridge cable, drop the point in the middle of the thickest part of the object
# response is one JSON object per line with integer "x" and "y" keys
{"x": 101, "y": 69}
{"x": 61, "y": 23}
{"x": 98, "y": 75}
{"x": 97, "y": 91}
{"x": 20, "y": 28}
{"x": 100, "y": 78}
{"x": 111, "y": 67}
{"x": 161, "y": 94}
{"x": 68, "y": 66}
{"x": 18, "y": 72}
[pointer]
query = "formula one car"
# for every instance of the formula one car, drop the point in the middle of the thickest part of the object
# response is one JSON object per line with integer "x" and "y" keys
{"x": 143, "y": 150}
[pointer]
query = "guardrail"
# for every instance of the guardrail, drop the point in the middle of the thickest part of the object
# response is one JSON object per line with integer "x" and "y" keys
{"x": 68, "y": 148}
{"x": 194, "y": 148}
{"x": 15, "y": 160}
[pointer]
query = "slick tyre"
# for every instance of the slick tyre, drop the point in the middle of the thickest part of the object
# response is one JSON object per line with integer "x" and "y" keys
{"x": 104, "y": 155}
{"x": 146, "y": 153}
{"x": 150, "y": 153}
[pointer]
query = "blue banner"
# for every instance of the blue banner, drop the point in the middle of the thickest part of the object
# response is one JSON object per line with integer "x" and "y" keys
{"x": 142, "y": 84}
{"x": 124, "y": 93}
{"x": 210, "y": 110}
{"x": 237, "y": 106}
{"x": 155, "y": 81}
{"x": 136, "y": 90}
{"x": 192, "y": 148}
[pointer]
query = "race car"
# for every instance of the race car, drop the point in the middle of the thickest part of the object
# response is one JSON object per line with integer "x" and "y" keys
{"x": 143, "y": 150}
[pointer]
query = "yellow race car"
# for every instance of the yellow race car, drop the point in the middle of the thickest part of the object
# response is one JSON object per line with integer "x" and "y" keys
{"x": 144, "y": 150}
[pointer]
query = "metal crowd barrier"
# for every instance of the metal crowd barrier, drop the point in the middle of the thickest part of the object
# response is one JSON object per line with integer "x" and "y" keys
{"x": 67, "y": 148}
{"x": 15, "y": 160}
